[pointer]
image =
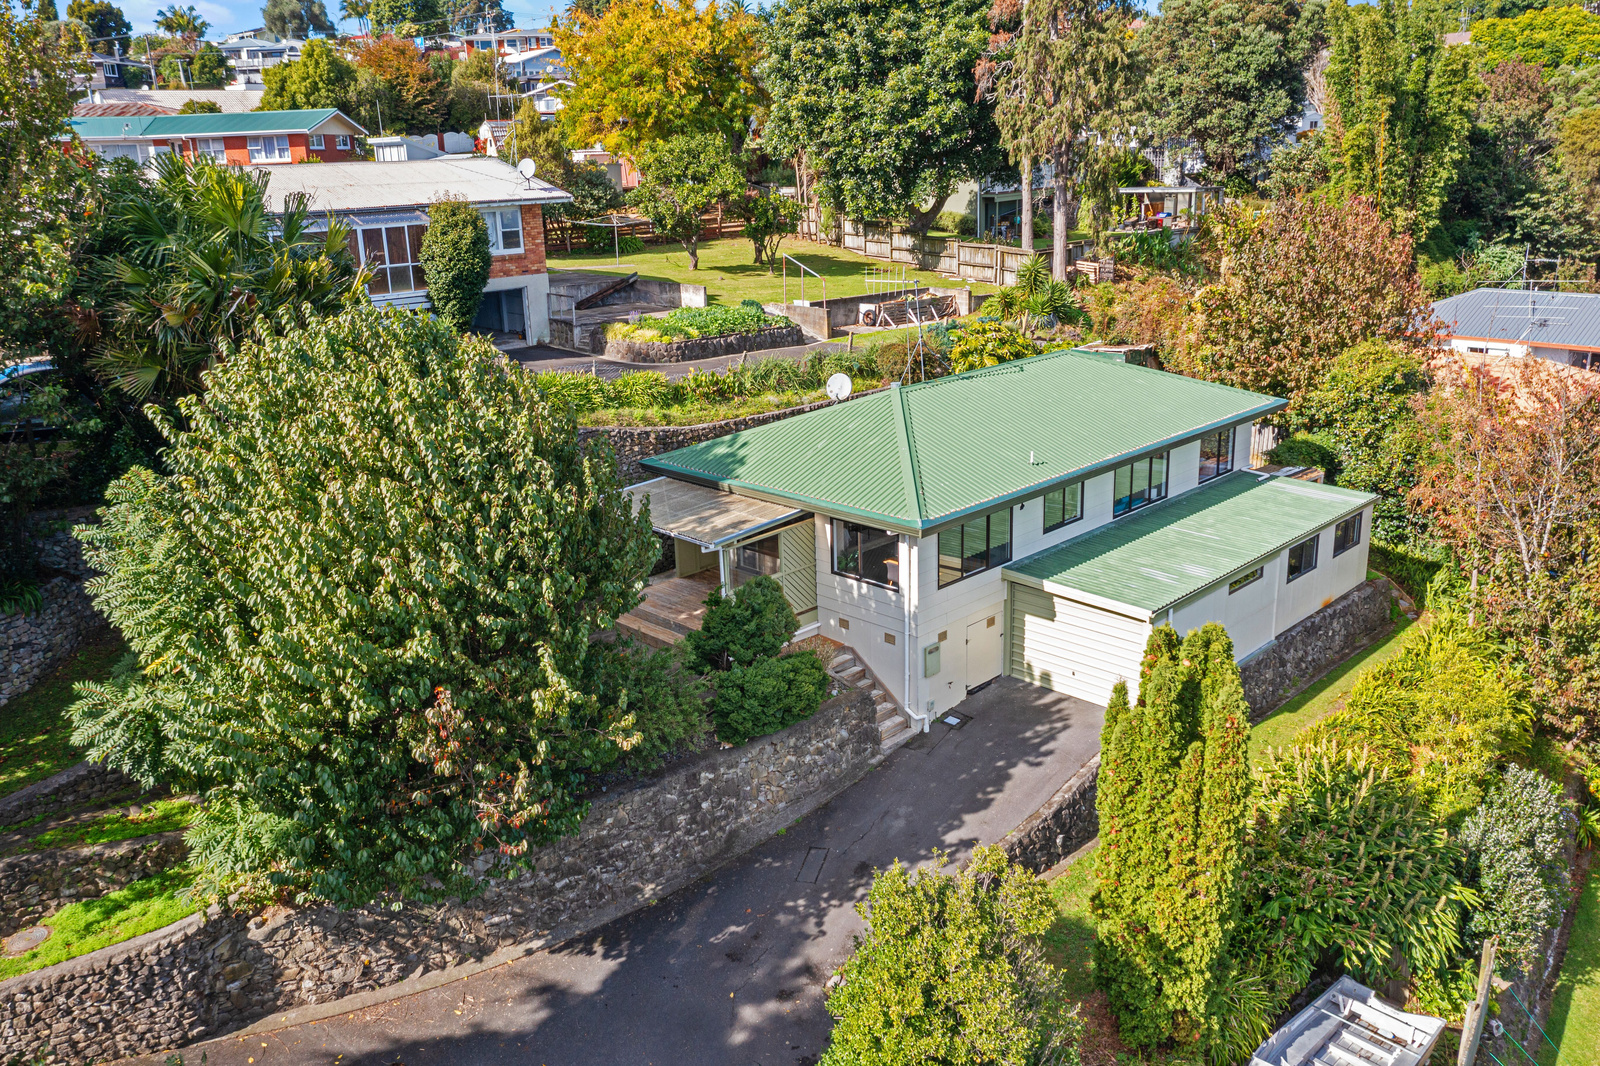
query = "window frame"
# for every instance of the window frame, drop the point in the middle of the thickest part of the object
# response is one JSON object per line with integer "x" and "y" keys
{"x": 995, "y": 553}
{"x": 834, "y": 525}
{"x": 1064, "y": 490}
{"x": 1148, "y": 461}
{"x": 1243, "y": 581}
{"x": 342, "y": 142}
{"x": 379, "y": 259}
{"x": 756, "y": 548}
{"x": 257, "y": 147}
{"x": 1353, "y": 522}
{"x": 493, "y": 217}
{"x": 1223, "y": 461}
{"x": 1315, "y": 541}
{"x": 315, "y": 141}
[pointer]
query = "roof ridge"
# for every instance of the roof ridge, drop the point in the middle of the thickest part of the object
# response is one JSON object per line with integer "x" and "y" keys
{"x": 908, "y": 453}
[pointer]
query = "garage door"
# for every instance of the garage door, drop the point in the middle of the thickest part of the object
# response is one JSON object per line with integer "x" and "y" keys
{"x": 1073, "y": 648}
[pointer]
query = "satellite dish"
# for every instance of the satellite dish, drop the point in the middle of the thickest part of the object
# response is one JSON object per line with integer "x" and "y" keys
{"x": 839, "y": 386}
{"x": 527, "y": 167}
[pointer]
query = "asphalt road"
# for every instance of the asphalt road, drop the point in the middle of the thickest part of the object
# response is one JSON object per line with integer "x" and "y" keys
{"x": 729, "y": 971}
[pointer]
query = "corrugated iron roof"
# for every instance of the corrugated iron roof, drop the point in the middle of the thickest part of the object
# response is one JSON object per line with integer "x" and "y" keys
{"x": 213, "y": 125}
{"x": 233, "y": 100}
{"x": 1164, "y": 554}
{"x": 916, "y": 458}
{"x": 1556, "y": 319}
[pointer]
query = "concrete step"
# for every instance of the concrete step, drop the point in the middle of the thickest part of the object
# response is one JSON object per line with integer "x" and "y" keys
{"x": 887, "y": 711}
{"x": 862, "y": 682}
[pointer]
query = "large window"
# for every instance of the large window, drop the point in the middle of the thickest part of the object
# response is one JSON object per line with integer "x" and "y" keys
{"x": 1346, "y": 534}
{"x": 866, "y": 554}
{"x": 1216, "y": 454}
{"x": 1141, "y": 482}
{"x": 1063, "y": 505}
{"x": 505, "y": 230}
{"x": 758, "y": 557}
{"x": 393, "y": 253}
{"x": 273, "y": 149}
{"x": 1303, "y": 558}
{"x": 211, "y": 147}
{"x": 975, "y": 545}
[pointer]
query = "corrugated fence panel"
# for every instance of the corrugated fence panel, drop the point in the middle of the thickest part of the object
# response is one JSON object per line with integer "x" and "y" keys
{"x": 1073, "y": 648}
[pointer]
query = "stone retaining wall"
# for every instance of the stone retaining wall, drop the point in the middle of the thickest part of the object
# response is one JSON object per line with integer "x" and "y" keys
{"x": 686, "y": 351}
{"x": 634, "y": 443}
{"x": 35, "y": 886}
{"x": 1066, "y": 822}
{"x": 32, "y": 644}
{"x": 1308, "y": 648}
{"x": 71, "y": 787}
{"x": 201, "y": 978}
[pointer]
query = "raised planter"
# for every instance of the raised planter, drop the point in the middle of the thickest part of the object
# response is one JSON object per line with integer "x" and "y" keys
{"x": 687, "y": 351}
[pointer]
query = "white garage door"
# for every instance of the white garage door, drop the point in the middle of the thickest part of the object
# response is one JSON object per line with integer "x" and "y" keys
{"x": 1073, "y": 648}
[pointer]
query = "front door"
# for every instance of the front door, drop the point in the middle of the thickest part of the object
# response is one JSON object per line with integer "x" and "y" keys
{"x": 983, "y": 651}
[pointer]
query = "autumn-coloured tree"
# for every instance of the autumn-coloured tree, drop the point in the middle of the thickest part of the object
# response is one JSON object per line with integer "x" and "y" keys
{"x": 1300, "y": 282}
{"x": 397, "y": 89}
{"x": 646, "y": 70}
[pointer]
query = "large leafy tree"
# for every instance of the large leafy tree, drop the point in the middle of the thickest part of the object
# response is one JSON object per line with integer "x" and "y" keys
{"x": 682, "y": 179}
{"x": 546, "y": 144}
{"x": 1230, "y": 77}
{"x": 1551, "y": 37}
{"x": 1401, "y": 107}
{"x": 415, "y": 16}
{"x": 647, "y": 70}
{"x": 469, "y": 15}
{"x": 876, "y": 100}
{"x": 321, "y": 77}
{"x": 397, "y": 90}
{"x": 362, "y": 606}
{"x": 296, "y": 18}
{"x": 1173, "y": 801}
{"x": 105, "y": 22}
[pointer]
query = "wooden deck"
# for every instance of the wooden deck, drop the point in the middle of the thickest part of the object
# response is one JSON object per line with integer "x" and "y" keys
{"x": 671, "y": 609}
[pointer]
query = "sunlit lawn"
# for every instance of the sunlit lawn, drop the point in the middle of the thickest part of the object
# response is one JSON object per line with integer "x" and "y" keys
{"x": 80, "y": 928}
{"x": 1575, "y": 1010}
{"x": 35, "y": 739}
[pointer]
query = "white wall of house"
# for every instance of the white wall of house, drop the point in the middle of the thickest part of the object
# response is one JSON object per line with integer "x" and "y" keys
{"x": 535, "y": 302}
{"x": 861, "y": 614}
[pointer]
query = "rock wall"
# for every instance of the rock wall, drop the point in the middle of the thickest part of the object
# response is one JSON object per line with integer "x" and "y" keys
{"x": 686, "y": 351}
{"x": 72, "y": 787}
{"x": 206, "y": 976}
{"x": 1064, "y": 824}
{"x": 32, "y": 644}
{"x": 35, "y": 886}
{"x": 1312, "y": 645}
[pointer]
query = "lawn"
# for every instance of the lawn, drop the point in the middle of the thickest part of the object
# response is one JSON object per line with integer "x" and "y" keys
{"x": 1069, "y": 945}
{"x": 1575, "y": 1011}
{"x": 729, "y": 275}
{"x": 162, "y": 816}
{"x": 80, "y": 928}
{"x": 35, "y": 739}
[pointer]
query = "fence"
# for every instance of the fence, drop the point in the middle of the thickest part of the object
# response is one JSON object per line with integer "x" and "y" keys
{"x": 995, "y": 264}
{"x": 1262, "y": 440}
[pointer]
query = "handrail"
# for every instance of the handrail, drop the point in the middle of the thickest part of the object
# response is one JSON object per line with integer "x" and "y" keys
{"x": 804, "y": 270}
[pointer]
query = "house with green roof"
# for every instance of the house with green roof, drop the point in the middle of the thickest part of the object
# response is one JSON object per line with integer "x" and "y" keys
{"x": 1034, "y": 519}
{"x": 237, "y": 138}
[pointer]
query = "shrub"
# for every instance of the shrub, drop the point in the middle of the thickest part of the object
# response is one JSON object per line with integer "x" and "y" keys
{"x": 950, "y": 971}
{"x": 754, "y": 623}
{"x": 766, "y": 696}
{"x": 369, "y": 584}
{"x": 687, "y": 323}
{"x": 666, "y": 701}
{"x": 961, "y": 223}
{"x": 455, "y": 258}
{"x": 1413, "y": 569}
{"x": 1305, "y": 449}
{"x": 984, "y": 344}
{"x": 1343, "y": 860}
{"x": 1516, "y": 854}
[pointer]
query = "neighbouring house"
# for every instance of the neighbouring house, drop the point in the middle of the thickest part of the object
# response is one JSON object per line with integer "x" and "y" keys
{"x": 619, "y": 169}
{"x": 1034, "y": 519}
{"x": 505, "y": 42}
{"x": 386, "y": 203}
{"x": 249, "y": 54}
{"x": 1563, "y": 327}
{"x": 253, "y": 138}
{"x": 170, "y": 100}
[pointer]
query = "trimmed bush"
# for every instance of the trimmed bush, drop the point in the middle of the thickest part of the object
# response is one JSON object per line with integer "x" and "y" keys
{"x": 754, "y": 623}
{"x": 1304, "y": 449}
{"x": 455, "y": 259}
{"x": 665, "y": 701}
{"x": 770, "y": 695}
{"x": 688, "y": 323}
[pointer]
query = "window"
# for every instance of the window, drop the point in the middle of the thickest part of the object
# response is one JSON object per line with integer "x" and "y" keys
{"x": 1246, "y": 579}
{"x": 342, "y": 142}
{"x": 505, "y": 230}
{"x": 758, "y": 557}
{"x": 867, "y": 554}
{"x": 1141, "y": 482}
{"x": 1216, "y": 454}
{"x": 1346, "y": 535}
{"x": 1063, "y": 505}
{"x": 393, "y": 253}
{"x": 1302, "y": 558}
{"x": 974, "y": 546}
{"x": 269, "y": 149}
{"x": 211, "y": 148}
{"x": 316, "y": 141}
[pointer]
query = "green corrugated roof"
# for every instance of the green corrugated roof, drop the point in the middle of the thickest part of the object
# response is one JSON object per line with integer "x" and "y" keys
{"x": 919, "y": 457}
{"x": 1157, "y": 557}
{"x": 235, "y": 123}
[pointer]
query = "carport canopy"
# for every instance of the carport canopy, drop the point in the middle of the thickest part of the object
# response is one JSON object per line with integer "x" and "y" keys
{"x": 711, "y": 518}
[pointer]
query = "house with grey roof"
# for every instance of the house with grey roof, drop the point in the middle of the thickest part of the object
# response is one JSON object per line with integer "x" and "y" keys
{"x": 1563, "y": 327}
{"x": 1034, "y": 520}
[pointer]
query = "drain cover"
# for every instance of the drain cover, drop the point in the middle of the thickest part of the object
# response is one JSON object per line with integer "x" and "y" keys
{"x": 27, "y": 940}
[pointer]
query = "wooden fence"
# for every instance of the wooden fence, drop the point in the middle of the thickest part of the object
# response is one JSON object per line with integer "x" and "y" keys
{"x": 995, "y": 264}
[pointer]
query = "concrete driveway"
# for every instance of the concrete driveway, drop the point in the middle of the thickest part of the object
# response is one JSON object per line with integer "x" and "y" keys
{"x": 731, "y": 969}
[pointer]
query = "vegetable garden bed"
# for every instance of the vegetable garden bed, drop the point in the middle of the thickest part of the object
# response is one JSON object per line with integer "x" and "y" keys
{"x": 692, "y": 333}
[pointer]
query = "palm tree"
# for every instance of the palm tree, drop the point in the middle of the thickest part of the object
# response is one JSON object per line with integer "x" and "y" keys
{"x": 182, "y": 22}
{"x": 360, "y": 10}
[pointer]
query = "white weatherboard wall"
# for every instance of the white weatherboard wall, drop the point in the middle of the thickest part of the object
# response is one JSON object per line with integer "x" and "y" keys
{"x": 1072, "y": 647}
{"x": 871, "y": 612}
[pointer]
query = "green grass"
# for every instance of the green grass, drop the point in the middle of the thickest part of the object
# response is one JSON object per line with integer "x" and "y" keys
{"x": 80, "y": 928}
{"x": 701, "y": 413}
{"x": 729, "y": 275}
{"x": 35, "y": 738}
{"x": 1575, "y": 1010}
{"x": 162, "y": 816}
{"x": 1069, "y": 945}
{"x": 1279, "y": 729}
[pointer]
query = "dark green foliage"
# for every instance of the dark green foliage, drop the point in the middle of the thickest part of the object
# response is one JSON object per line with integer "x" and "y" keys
{"x": 769, "y": 695}
{"x": 666, "y": 701}
{"x": 689, "y": 322}
{"x": 754, "y": 623}
{"x": 455, "y": 258}
{"x": 1305, "y": 449}
{"x": 1413, "y": 569}
{"x": 951, "y": 971}
{"x": 362, "y": 606}
{"x": 1173, "y": 801}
